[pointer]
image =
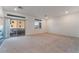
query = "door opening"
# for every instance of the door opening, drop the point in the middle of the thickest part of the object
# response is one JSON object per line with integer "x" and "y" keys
{"x": 17, "y": 27}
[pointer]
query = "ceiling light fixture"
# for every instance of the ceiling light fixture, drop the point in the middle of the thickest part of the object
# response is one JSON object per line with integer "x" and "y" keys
{"x": 66, "y": 12}
{"x": 18, "y": 8}
{"x": 15, "y": 9}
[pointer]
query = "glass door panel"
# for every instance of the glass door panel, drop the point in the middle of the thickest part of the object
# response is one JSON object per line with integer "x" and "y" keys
{"x": 17, "y": 27}
{"x": 21, "y": 27}
{"x": 13, "y": 27}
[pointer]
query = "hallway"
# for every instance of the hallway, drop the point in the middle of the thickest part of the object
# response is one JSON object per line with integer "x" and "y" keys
{"x": 46, "y": 43}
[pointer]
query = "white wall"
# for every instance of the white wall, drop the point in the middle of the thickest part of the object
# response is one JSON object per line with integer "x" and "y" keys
{"x": 65, "y": 25}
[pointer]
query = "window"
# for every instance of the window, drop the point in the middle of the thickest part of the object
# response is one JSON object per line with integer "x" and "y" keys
{"x": 37, "y": 24}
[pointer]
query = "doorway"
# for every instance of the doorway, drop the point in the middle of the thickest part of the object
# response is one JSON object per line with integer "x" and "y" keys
{"x": 17, "y": 27}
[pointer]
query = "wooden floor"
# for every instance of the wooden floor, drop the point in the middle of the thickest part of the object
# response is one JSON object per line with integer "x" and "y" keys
{"x": 43, "y": 43}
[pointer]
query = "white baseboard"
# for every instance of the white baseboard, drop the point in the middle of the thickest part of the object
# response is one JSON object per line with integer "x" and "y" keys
{"x": 59, "y": 34}
{"x": 36, "y": 33}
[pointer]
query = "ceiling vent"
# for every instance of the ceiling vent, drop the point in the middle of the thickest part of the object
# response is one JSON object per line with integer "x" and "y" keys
{"x": 38, "y": 20}
{"x": 20, "y": 7}
{"x": 15, "y": 16}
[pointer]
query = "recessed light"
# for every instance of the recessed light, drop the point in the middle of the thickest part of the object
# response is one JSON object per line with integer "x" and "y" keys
{"x": 66, "y": 12}
{"x": 15, "y": 9}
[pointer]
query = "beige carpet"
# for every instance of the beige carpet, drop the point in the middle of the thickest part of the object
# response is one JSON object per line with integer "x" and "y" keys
{"x": 44, "y": 43}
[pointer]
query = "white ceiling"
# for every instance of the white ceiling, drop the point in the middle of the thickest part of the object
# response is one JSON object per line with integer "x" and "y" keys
{"x": 41, "y": 11}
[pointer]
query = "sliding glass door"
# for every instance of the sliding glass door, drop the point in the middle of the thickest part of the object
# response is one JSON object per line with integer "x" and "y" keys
{"x": 17, "y": 27}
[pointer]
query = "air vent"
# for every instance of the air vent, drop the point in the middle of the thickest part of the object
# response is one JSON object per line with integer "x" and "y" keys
{"x": 20, "y": 7}
{"x": 11, "y": 15}
{"x": 38, "y": 20}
